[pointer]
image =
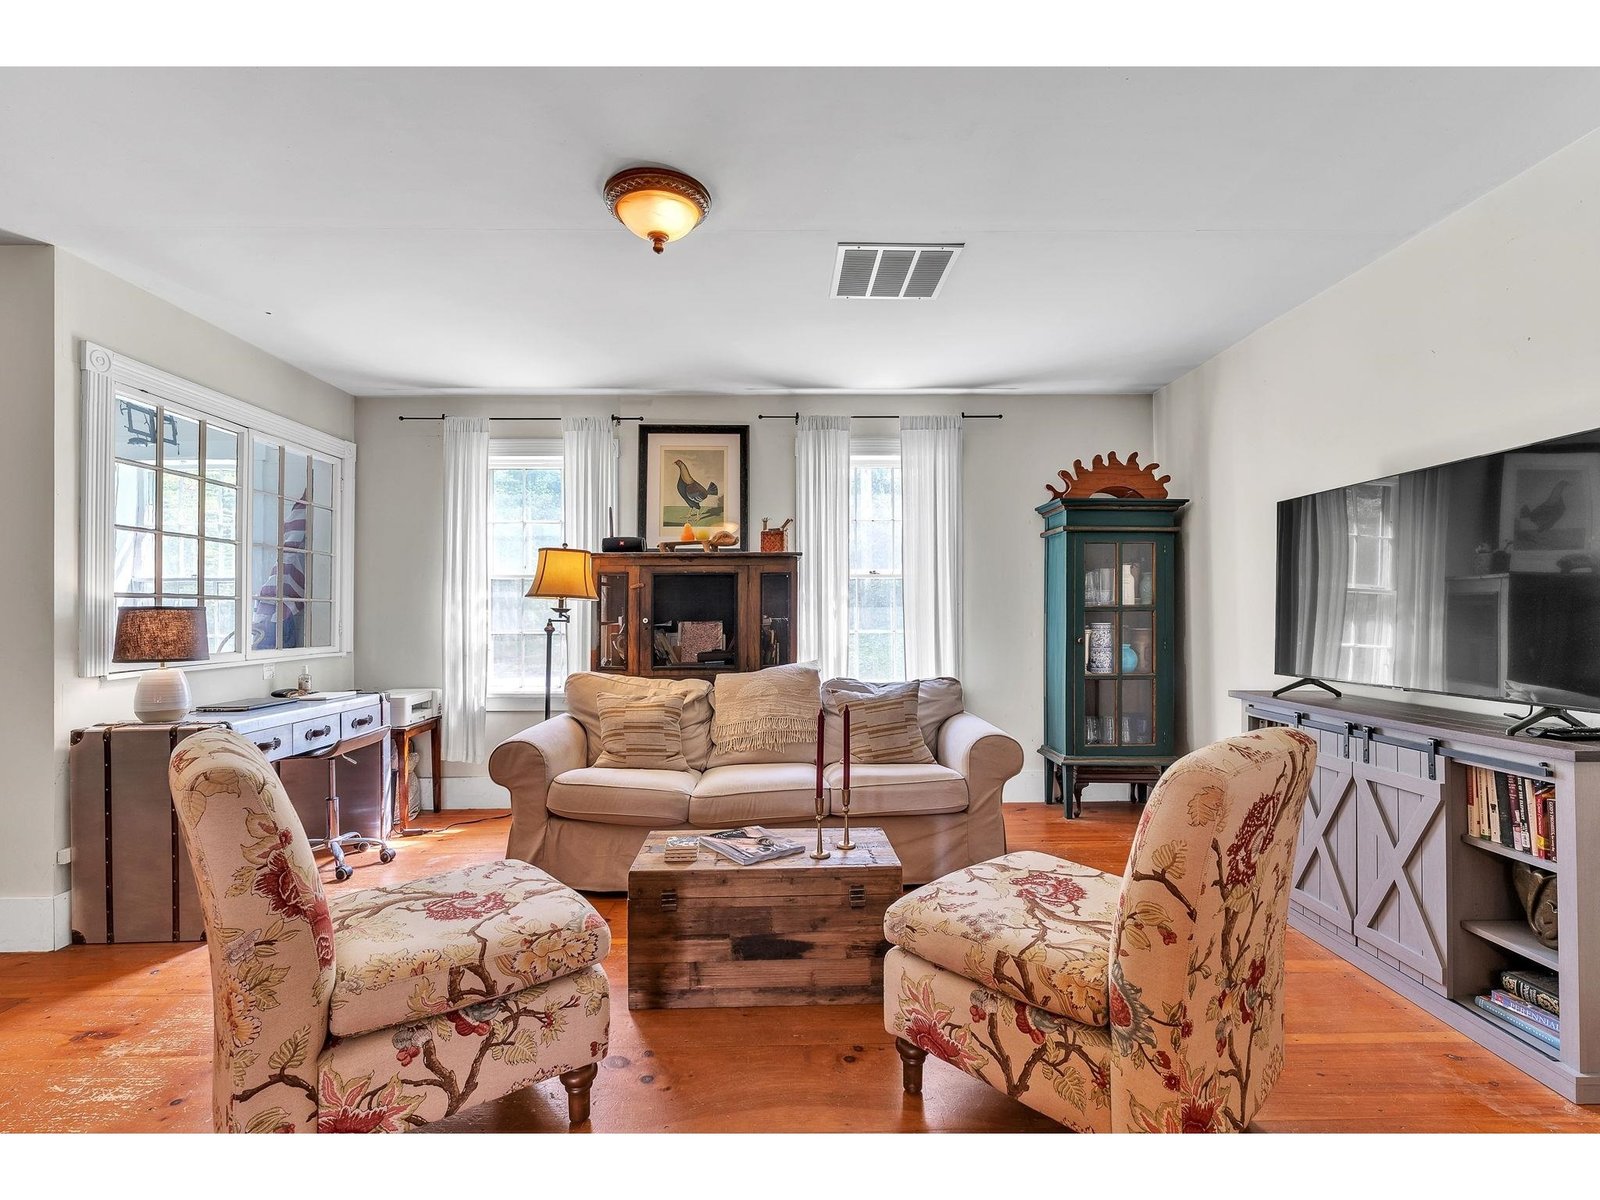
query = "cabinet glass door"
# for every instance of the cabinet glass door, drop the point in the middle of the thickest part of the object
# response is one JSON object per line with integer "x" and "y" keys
{"x": 1118, "y": 598}
{"x": 611, "y": 636}
{"x": 777, "y": 622}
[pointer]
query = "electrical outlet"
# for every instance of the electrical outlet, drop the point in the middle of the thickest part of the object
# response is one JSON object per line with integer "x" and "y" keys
{"x": 267, "y": 671}
{"x": 63, "y": 857}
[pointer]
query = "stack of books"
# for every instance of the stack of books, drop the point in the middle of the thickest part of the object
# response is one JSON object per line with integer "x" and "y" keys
{"x": 1529, "y": 1002}
{"x": 1514, "y": 811}
{"x": 750, "y": 844}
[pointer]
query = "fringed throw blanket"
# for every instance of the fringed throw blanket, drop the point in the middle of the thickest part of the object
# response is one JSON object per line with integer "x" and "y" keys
{"x": 765, "y": 710}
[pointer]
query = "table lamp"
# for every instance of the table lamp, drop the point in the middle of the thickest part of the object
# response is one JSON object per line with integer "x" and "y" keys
{"x": 561, "y": 575}
{"x": 161, "y": 634}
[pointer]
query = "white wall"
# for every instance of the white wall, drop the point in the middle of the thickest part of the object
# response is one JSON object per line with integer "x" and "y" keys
{"x": 399, "y": 533}
{"x": 82, "y": 302}
{"x": 1477, "y": 335}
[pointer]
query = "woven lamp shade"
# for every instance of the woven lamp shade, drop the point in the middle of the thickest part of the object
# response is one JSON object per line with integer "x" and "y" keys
{"x": 564, "y": 573}
{"x": 161, "y": 635}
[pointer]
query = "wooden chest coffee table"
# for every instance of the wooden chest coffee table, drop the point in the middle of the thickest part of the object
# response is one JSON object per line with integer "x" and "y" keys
{"x": 713, "y": 934}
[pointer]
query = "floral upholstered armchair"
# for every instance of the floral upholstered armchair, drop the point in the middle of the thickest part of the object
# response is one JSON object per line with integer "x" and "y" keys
{"x": 387, "y": 1007}
{"x": 1150, "y": 1001}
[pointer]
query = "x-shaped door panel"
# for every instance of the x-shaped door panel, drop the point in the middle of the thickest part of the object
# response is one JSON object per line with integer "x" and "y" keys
{"x": 1397, "y": 848}
{"x": 1319, "y": 884}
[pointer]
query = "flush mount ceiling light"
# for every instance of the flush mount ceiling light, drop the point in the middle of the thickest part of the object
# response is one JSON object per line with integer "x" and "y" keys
{"x": 659, "y": 204}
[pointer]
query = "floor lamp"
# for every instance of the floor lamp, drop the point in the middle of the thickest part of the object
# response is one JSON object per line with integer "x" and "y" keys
{"x": 561, "y": 575}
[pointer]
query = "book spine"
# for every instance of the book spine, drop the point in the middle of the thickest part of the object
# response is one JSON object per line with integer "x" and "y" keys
{"x": 1531, "y": 993}
{"x": 1529, "y": 1012}
{"x": 1504, "y": 833}
{"x": 1538, "y": 1032}
{"x": 1475, "y": 813}
{"x": 1541, "y": 842}
{"x": 1491, "y": 809}
{"x": 1519, "y": 834}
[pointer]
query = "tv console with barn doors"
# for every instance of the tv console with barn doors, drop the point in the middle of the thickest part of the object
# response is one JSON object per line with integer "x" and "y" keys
{"x": 1389, "y": 876}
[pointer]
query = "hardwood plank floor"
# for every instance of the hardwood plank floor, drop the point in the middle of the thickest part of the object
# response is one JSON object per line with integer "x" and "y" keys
{"x": 109, "y": 1038}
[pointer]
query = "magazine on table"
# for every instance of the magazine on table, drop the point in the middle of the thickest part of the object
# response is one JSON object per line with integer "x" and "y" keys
{"x": 750, "y": 844}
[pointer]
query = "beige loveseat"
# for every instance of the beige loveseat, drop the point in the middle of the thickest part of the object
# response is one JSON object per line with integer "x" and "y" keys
{"x": 584, "y": 824}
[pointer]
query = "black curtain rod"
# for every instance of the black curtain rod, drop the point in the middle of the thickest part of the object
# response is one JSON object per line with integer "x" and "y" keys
{"x": 615, "y": 420}
{"x": 795, "y": 417}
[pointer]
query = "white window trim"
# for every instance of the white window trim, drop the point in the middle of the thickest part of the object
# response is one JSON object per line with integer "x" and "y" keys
{"x": 104, "y": 371}
{"x": 506, "y": 452}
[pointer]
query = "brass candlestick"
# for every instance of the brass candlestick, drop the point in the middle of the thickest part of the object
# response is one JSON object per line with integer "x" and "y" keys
{"x": 844, "y": 841}
{"x": 821, "y": 851}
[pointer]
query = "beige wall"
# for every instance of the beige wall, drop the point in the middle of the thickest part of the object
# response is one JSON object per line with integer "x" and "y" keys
{"x": 82, "y": 302}
{"x": 399, "y": 532}
{"x": 1477, "y": 335}
{"x": 28, "y": 877}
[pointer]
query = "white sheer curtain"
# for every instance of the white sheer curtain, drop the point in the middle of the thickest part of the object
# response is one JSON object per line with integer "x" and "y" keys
{"x": 822, "y": 535}
{"x": 588, "y": 499}
{"x": 466, "y": 587}
{"x": 1322, "y": 547}
{"x": 930, "y": 506}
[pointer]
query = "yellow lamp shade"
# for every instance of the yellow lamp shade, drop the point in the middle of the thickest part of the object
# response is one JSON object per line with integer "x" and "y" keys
{"x": 564, "y": 574}
{"x": 657, "y": 204}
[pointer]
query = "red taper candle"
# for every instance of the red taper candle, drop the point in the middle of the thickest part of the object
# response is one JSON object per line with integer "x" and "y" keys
{"x": 819, "y": 752}
{"x": 847, "y": 746}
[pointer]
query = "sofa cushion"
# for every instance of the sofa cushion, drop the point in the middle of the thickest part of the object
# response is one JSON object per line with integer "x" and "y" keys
{"x": 754, "y": 794}
{"x": 897, "y": 788}
{"x": 883, "y": 728}
{"x": 938, "y": 700}
{"x": 584, "y": 689}
{"x": 1027, "y": 925}
{"x": 623, "y": 796}
{"x": 765, "y": 716}
{"x": 642, "y": 732}
{"x": 502, "y": 927}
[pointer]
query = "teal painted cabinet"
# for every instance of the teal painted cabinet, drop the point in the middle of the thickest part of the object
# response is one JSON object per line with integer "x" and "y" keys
{"x": 1110, "y": 643}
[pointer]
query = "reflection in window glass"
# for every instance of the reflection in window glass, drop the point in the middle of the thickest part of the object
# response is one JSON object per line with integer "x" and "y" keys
{"x": 524, "y": 515}
{"x": 876, "y": 599}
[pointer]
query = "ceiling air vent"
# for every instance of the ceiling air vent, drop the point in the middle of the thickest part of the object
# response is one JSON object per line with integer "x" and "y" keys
{"x": 891, "y": 270}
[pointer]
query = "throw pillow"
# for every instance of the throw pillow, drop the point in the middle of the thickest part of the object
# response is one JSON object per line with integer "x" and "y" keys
{"x": 643, "y": 733}
{"x": 883, "y": 728}
{"x": 766, "y": 716}
{"x": 584, "y": 689}
{"x": 938, "y": 700}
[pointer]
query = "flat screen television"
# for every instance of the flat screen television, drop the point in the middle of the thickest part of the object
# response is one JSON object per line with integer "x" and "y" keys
{"x": 1477, "y": 578}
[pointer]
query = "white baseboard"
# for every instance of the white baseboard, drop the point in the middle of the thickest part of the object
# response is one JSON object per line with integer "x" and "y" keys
{"x": 32, "y": 923}
{"x": 469, "y": 791}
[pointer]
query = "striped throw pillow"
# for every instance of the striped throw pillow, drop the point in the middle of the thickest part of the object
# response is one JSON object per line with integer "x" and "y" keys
{"x": 884, "y": 728}
{"x": 642, "y": 732}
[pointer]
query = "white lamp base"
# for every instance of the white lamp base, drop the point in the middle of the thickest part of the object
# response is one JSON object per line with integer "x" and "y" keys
{"x": 162, "y": 695}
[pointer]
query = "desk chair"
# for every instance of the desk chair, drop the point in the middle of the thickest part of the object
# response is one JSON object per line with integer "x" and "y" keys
{"x": 314, "y": 782}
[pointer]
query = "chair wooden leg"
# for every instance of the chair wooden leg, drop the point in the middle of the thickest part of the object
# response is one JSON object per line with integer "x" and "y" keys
{"x": 577, "y": 1084}
{"x": 911, "y": 1059}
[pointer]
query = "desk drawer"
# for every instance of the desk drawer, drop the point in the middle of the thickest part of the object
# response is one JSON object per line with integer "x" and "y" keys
{"x": 275, "y": 743}
{"x": 314, "y": 735}
{"x": 361, "y": 720}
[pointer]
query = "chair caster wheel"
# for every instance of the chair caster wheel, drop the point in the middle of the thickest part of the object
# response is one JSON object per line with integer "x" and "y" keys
{"x": 386, "y": 855}
{"x": 340, "y": 874}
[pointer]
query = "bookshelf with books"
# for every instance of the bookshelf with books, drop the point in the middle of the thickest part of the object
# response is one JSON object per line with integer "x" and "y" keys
{"x": 1418, "y": 819}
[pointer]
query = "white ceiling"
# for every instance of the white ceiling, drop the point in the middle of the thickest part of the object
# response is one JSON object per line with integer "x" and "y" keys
{"x": 429, "y": 229}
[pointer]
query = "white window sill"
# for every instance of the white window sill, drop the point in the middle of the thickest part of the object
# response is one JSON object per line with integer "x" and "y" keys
{"x": 526, "y": 702}
{"x": 275, "y": 658}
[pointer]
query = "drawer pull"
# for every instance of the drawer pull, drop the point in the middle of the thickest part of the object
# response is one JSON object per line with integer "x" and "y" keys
{"x": 361, "y": 722}
{"x": 312, "y": 734}
{"x": 269, "y": 747}
{"x": 858, "y": 895}
{"x": 669, "y": 899}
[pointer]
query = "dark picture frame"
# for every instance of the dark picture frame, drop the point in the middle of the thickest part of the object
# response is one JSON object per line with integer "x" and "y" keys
{"x": 709, "y": 455}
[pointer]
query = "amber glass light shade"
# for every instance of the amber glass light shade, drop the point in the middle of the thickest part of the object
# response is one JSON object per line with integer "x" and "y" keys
{"x": 658, "y": 205}
{"x": 564, "y": 574}
{"x": 160, "y": 635}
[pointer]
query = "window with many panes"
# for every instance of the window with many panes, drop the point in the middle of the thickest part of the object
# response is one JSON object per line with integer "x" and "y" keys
{"x": 524, "y": 516}
{"x": 1366, "y": 649}
{"x": 176, "y": 504}
{"x": 876, "y": 601}
{"x": 190, "y": 497}
{"x": 292, "y": 534}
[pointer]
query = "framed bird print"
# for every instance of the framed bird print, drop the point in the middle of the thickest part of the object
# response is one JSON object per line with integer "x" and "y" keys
{"x": 692, "y": 477}
{"x": 1550, "y": 510}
